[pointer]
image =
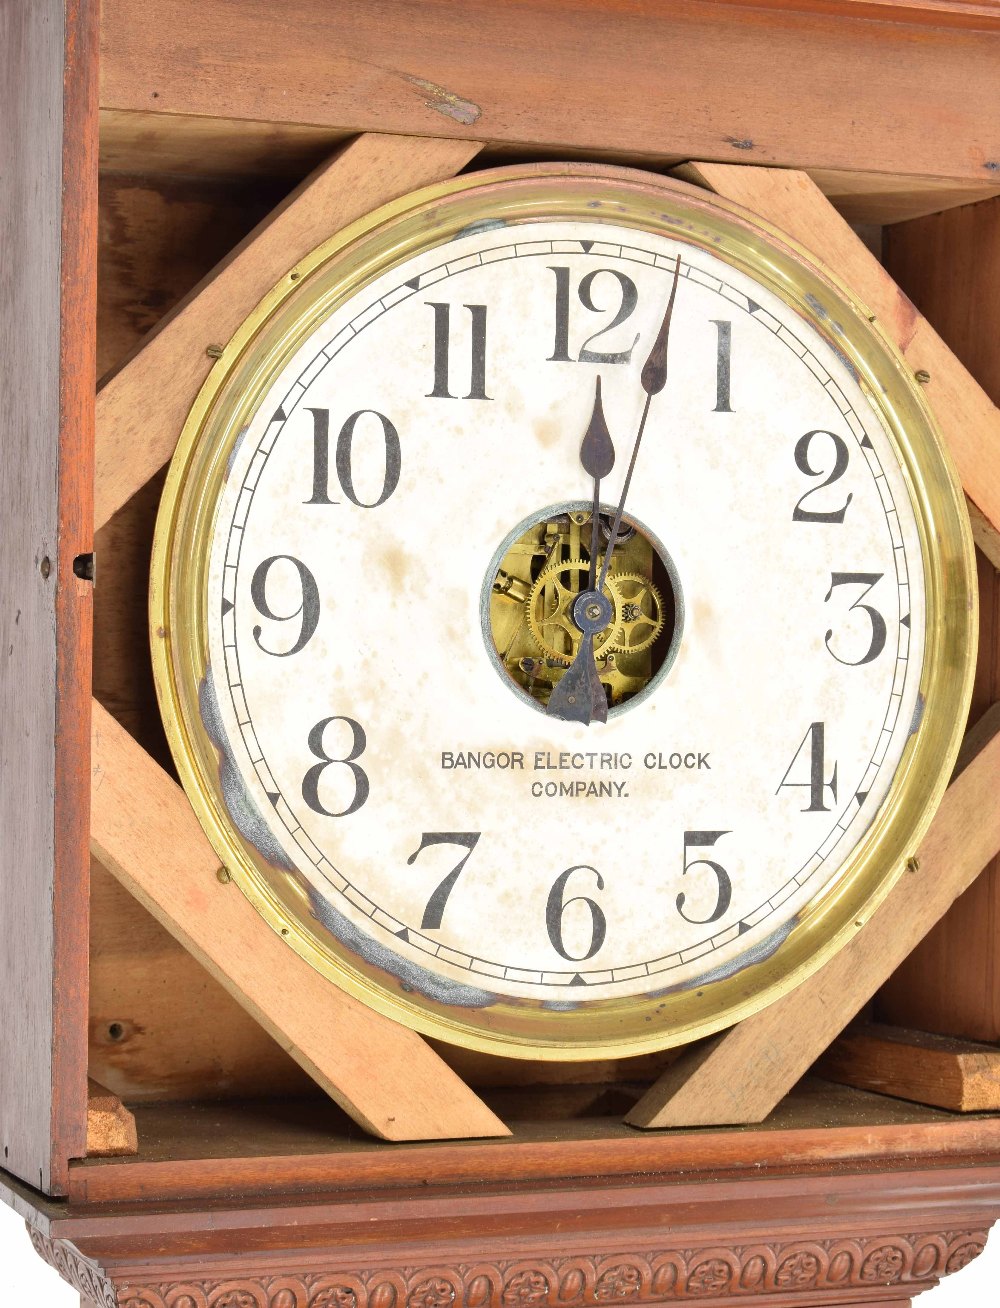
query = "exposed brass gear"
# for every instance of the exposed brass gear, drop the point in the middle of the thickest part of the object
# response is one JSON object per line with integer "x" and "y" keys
{"x": 547, "y": 619}
{"x": 641, "y": 610}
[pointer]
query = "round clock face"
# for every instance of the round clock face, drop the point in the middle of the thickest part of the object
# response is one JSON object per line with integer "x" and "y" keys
{"x": 375, "y": 539}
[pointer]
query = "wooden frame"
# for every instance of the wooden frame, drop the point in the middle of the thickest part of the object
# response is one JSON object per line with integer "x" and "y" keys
{"x": 463, "y": 79}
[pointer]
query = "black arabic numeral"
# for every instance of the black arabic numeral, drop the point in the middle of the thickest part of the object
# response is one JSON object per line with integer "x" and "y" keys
{"x": 629, "y": 298}
{"x": 840, "y": 461}
{"x": 556, "y": 907}
{"x": 343, "y": 458}
{"x": 815, "y": 742}
{"x": 442, "y": 352}
{"x": 723, "y": 365}
{"x": 877, "y": 643}
{"x": 468, "y": 840}
{"x": 311, "y": 780}
{"x": 308, "y": 608}
{"x": 724, "y": 895}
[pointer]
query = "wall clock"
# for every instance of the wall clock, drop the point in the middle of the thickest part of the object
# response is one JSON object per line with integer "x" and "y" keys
{"x": 534, "y": 778}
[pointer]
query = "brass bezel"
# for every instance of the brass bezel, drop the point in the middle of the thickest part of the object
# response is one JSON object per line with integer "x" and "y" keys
{"x": 339, "y": 268}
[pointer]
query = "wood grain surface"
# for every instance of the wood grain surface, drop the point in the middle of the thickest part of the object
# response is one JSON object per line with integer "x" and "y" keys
{"x": 961, "y": 1075}
{"x": 111, "y": 1130}
{"x": 201, "y": 1152}
{"x": 711, "y": 1084}
{"x": 693, "y": 78}
{"x": 949, "y": 265}
{"x": 382, "y": 1074}
{"x": 967, "y": 417}
{"x": 135, "y": 440}
{"x": 48, "y": 162}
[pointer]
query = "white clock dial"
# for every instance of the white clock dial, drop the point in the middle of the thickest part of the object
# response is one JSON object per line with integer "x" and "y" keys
{"x": 392, "y": 558}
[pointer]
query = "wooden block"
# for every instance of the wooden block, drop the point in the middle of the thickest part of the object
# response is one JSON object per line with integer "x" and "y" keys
{"x": 740, "y": 1075}
{"x": 111, "y": 1130}
{"x": 929, "y": 1069}
{"x": 968, "y": 419}
{"x": 381, "y": 1073}
{"x": 135, "y": 438}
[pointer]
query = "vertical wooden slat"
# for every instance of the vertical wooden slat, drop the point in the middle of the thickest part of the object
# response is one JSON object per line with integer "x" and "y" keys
{"x": 949, "y": 265}
{"x": 48, "y": 162}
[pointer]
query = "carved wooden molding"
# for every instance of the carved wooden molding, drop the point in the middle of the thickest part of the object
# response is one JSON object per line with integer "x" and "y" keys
{"x": 79, "y": 1272}
{"x": 750, "y": 1272}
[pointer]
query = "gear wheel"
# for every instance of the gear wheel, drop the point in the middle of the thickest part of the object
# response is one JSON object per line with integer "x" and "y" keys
{"x": 546, "y": 621}
{"x": 639, "y": 607}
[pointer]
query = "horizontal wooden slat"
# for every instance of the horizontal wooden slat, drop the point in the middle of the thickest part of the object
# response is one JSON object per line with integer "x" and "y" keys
{"x": 212, "y": 1150}
{"x": 696, "y": 79}
{"x": 712, "y": 1084}
{"x": 929, "y": 1069}
{"x": 135, "y": 439}
{"x": 384, "y": 1075}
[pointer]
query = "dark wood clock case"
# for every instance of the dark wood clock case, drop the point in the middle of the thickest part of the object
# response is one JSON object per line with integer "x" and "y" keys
{"x": 148, "y": 146}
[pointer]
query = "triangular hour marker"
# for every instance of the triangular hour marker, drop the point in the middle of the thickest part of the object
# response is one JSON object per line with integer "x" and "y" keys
{"x": 752, "y": 305}
{"x": 274, "y": 796}
{"x": 227, "y": 607}
{"x": 861, "y": 796}
{"x": 279, "y": 415}
{"x": 413, "y": 283}
{"x": 866, "y": 443}
{"x": 403, "y": 935}
{"x": 578, "y": 980}
{"x": 586, "y": 246}
{"x": 743, "y": 929}
{"x": 905, "y": 622}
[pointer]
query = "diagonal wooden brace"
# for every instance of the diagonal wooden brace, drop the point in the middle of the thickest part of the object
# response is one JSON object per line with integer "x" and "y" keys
{"x": 141, "y": 408}
{"x": 385, "y": 1076}
{"x": 741, "y": 1075}
{"x": 967, "y": 417}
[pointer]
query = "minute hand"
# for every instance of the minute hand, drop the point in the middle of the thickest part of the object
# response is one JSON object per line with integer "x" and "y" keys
{"x": 652, "y": 379}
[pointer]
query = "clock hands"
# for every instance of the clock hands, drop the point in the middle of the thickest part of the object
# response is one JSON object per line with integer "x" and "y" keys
{"x": 597, "y": 454}
{"x": 579, "y": 695}
{"x": 653, "y": 378}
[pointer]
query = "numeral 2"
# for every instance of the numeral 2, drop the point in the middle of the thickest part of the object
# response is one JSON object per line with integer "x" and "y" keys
{"x": 840, "y": 461}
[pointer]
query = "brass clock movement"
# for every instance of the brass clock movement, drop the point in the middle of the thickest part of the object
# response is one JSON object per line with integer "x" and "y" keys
{"x": 562, "y": 611}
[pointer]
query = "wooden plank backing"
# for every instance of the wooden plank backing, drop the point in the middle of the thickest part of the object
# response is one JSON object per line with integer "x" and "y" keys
{"x": 695, "y": 79}
{"x": 712, "y": 1085}
{"x": 48, "y": 163}
{"x": 384, "y": 1075}
{"x": 135, "y": 439}
{"x": 968, "y": 418}
{"x": 950, "y": 267}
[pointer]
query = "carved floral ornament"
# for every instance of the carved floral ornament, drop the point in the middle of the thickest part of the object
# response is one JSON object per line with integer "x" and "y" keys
{"x": 711, "y": 1271}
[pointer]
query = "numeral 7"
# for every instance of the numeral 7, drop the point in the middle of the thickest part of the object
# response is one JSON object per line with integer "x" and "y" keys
{"x": 435, "y": 905}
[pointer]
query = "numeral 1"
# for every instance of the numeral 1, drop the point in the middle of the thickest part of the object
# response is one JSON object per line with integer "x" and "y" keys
{"x": 723, "y": 365}
{"x": 442, "y": 352}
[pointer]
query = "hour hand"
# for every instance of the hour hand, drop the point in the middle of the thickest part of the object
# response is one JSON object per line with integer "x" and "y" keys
{"x": 579, "y": 695}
